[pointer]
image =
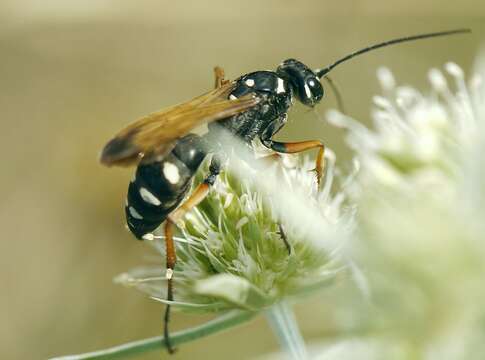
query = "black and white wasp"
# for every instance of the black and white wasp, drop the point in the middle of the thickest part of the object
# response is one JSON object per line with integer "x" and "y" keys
{"x": 169, "y": 146}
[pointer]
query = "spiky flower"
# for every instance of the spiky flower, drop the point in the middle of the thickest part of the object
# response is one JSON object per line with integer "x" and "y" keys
{"x": 416, "y": 137}
{"x": 236, "y": 250}
{"x": 420, "y": 235}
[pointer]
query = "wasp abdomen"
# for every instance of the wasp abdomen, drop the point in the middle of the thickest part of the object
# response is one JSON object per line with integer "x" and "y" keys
{"x": 159, "y": 187}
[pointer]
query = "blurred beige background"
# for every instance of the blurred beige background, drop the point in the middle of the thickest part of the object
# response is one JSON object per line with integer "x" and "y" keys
{"x": 72, "y": 73}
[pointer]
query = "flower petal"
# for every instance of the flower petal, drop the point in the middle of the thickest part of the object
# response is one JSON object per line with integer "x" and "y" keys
{"x": 233, "y": 289}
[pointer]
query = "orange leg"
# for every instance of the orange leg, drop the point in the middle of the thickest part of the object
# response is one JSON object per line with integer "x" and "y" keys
{"x": 296, "y": 147}
{"x": 197, "y": 196}
{"x": 219, "y": 77}
{"x": 194, "y": 199}
{"x": 292, "y": 148}
{"x": 171, "y": 259}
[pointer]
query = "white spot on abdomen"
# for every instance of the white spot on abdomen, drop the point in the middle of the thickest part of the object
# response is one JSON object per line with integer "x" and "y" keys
{"x": 135, "y": 213}
{"x": 148, "y": 197}
{"x": 171, "y": 173}
{"x": 249, "y": 82}
{"x": 232, "y": 97}
{"x": 281, "y": 86}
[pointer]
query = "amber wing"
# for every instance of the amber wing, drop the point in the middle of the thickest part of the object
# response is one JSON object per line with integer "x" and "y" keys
{"x": 155, "y": 134}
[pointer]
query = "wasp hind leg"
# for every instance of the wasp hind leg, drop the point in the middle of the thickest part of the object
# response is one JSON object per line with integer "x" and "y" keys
{"x": 219, "y": 77}
{"x": 194, "y": 199}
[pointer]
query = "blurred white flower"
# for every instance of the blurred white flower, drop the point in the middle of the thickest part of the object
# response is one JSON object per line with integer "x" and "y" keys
{"x": 420, "y": 233}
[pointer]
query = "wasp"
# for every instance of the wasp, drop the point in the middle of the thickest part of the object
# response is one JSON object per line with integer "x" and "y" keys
{"x": 168, "y": 146}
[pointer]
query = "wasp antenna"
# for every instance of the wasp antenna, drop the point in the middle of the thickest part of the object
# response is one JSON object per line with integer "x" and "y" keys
{"x": 338, "y": 96}
{"x": 321, "y": 72}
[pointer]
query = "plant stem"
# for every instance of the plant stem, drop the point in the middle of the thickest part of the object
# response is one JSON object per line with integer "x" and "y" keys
{"x": 219, "y": 324}
{"x": 285, "y": 327}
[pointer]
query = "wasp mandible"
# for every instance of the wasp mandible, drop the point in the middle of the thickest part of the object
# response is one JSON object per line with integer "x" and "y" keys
{"x": 169, "y": 146}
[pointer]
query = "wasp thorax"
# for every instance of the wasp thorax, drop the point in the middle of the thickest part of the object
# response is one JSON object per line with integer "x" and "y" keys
{"x": 303, "y": 80}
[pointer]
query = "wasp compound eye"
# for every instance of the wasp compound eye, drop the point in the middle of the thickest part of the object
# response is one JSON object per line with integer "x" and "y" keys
{"x": 313, "y": 90}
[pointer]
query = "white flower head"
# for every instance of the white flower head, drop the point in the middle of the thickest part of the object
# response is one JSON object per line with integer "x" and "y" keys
{"x": 419, "y": 194}
{"x": 232, "y": 251}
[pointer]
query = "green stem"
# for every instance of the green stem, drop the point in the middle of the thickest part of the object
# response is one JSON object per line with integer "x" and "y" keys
{"x": 285, "y": 327}
{"x": 141, "y": 346}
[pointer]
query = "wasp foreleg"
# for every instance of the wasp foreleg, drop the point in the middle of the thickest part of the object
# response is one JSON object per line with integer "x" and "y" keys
{"x": 296, "y": 147}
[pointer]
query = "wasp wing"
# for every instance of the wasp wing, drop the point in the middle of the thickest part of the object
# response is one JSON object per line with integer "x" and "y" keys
{"x": 155, "y": 134}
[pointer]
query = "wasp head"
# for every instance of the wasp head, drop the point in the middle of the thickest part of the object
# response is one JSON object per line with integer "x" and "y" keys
{"x": 303, "y": 80}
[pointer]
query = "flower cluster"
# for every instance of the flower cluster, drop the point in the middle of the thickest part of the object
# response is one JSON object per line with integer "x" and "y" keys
{"x": 236, "y": 251}
{"x": 420, "y": 220}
